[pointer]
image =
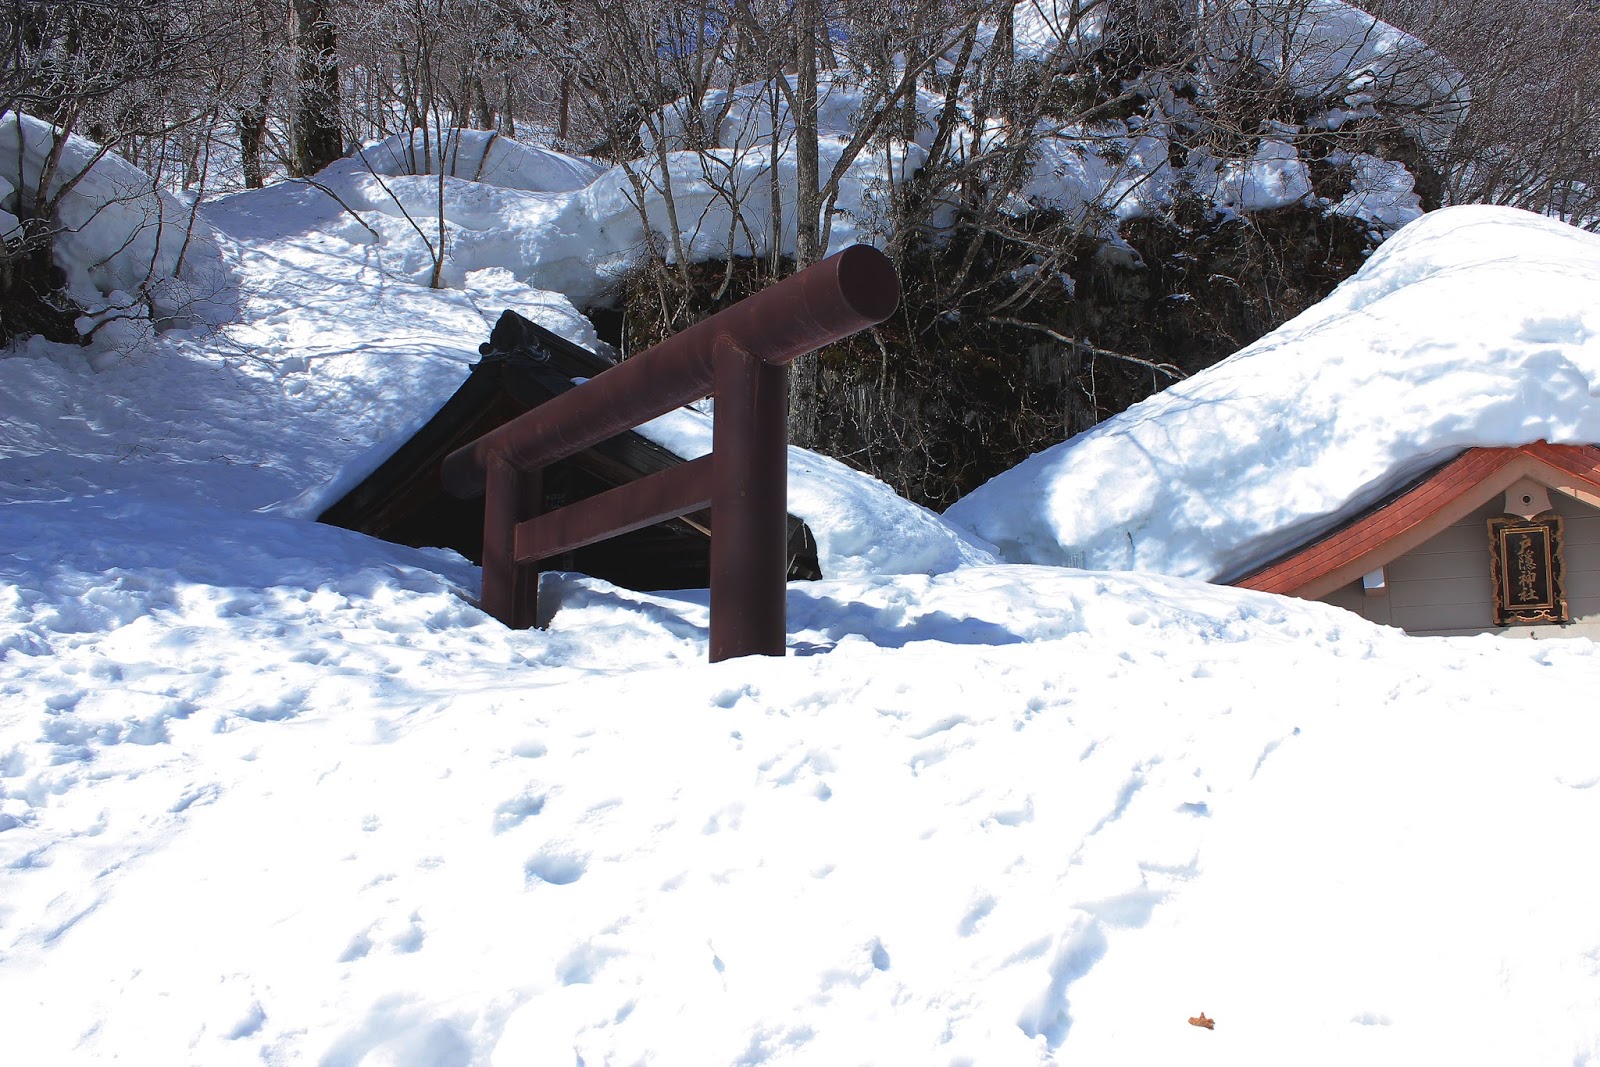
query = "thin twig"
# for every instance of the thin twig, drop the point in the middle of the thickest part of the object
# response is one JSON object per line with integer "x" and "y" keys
{"x": 339, "y": 200}
{"x": 1167, "y": 369}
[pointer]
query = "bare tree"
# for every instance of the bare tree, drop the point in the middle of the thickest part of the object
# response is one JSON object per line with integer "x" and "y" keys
{"x": 139, "y": 78}
{"x": 1531, "y": 134}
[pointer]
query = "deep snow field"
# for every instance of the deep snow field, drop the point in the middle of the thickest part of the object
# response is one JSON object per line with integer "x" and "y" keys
{"x": 275, "y": 792}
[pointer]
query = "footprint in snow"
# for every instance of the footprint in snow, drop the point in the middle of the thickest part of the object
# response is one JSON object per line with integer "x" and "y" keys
{"x": 583, "y": 962}
{"x": 285, "y": 707}
{"x": 729, "y": 818}
{"x": 202, "y": 794}
{"x": 555, "y": 868}
{"x": 359, "y": 946}
{"x": 247, "y": 1024}
{"x": 976, "y": 914}
{"x": 1014, "y": 815}
{"x": 514, "y": 812}
{"x": 406, "y": 937}
{"x": 729, "y": 697}
{"x": 410, "y": 938}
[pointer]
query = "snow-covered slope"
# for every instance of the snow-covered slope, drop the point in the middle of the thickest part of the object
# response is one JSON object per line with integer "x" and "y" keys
{"x": 1473, "y": 326}
{"x": 1341, "y": 63}
{"x": 130, "y": 253}
{"x": 334, "y": 349}
{"x": 272, "y": 792}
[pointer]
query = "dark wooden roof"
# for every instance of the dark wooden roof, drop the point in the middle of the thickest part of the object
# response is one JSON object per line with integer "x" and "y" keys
{"x": 524, "y": 365}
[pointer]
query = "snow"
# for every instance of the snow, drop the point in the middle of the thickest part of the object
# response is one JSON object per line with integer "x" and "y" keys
{"x": 1274, "y": 178}
{"x": 1326, "y": 48}
{"x": 861, "y": 526}
{"x": 139, "y": 253}
{"x": 1382, "y": 192}
{"x": 9, "y": 223}
{"x": 1473, "y": 326}
{"x": 1320, "y": 48}
{"x": 298, "y": 801}
{"x": 339, "y": 337}
{"x": 276, "y": 792}
{"x": 1345, "y": 63}
{"x": 479, "y": 156}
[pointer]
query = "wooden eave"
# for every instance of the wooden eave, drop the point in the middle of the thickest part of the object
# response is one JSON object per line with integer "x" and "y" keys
{"x": 1417, "y": 514}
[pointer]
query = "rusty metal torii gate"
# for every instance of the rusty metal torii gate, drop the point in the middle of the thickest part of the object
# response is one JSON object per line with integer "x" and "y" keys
{"x": 740, "y": 356}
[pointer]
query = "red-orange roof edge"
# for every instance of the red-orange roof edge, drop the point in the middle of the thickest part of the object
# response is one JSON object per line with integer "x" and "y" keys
{"x": 1365, "y": 534}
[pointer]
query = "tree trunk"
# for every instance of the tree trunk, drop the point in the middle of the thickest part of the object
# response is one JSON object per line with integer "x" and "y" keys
{"x": 804, "y": 394}
{"x": 314, "y": 127}
{"x": 508, "y": 108}
{"x": 483, "y": 113}
{"x": 808, "y": 194}
{"x": 251, "y": 126}
{"x": 563, "y": 117}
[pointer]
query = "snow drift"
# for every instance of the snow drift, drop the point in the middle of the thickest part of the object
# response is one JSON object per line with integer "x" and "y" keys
{"x": 1472, "y": 326}
{"x": 339, "y": 351}
{"x": 135, "y": 258}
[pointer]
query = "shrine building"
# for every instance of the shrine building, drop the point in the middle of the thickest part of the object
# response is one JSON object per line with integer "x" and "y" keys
{"x": 1497, "y": 540}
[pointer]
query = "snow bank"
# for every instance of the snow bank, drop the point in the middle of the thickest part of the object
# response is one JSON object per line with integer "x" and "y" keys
{"x": 298, "y": 802}
{"x": 516, "y": 216}
{"x": 1326, "y": 51}
{"x": 720, "y": 200}
{"x": 1381, "y": 191}
{"x": 510, "y": 217}
{"x": 1322, "y": 49}
{"x": 10, "y": 225}
{"x": 741, "y": 117}
{"x": 1472, "y": 326}
{"x": 1040, "y": 28}
{"x": 1329, "y": 49}
{"x": 861, "y": 525}
{"x": 478, "y": 156}
{"x": 1274, "y": 177}
{"x": 134, "y": 256}
{"x": 333, "y": 357}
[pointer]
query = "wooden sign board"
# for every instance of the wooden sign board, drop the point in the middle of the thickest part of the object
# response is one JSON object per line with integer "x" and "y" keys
{"x": 1526, "y": 566}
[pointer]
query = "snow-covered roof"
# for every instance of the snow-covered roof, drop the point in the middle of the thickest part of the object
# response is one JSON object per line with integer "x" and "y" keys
{"x": 1472, "y": 326}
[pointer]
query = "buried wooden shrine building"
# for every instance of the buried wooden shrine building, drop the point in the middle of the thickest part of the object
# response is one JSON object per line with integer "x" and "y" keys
{"x": 524, "y": 365}
{"x": 1497, "y": 540}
